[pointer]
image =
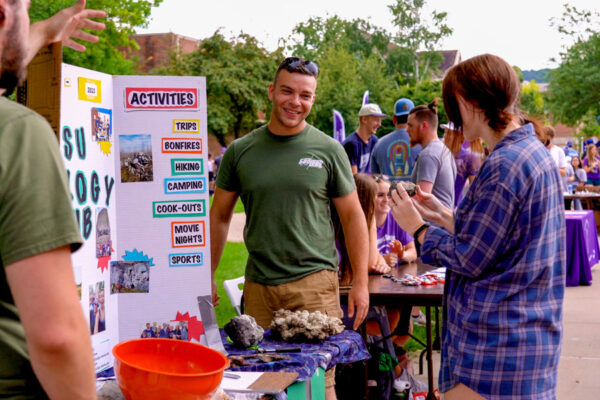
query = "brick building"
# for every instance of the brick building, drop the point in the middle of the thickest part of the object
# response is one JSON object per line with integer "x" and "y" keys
{"x": 156, "y": 49}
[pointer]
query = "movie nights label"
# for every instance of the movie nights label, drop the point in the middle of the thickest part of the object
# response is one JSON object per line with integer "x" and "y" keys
{"x": 187, "y": 234}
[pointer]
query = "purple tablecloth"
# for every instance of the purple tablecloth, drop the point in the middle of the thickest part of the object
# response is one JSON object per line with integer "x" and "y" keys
{"x": 582, "y": 247}
{"x": 347, "y": 347}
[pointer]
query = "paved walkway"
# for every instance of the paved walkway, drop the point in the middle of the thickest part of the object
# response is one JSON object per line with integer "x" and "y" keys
{"x": 578, "y": 371}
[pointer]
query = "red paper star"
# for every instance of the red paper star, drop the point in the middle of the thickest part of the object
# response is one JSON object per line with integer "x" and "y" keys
{"x": 195, "y": 327}
{"x": 103, "y": 261}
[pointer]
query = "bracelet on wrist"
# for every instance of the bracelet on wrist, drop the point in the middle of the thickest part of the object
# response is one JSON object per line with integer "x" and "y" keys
{"x": 416, "y": 237}
{"x": 420, "y": 229}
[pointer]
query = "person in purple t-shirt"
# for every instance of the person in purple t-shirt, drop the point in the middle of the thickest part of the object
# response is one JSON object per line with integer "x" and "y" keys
{"x": 388, "y": 231}
{"x": 467, "y": 156}
{"x": 590, "y": 165}
{"x": 395, "y": 245}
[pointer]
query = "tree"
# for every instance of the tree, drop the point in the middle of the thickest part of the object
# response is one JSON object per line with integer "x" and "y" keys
{"x": 424, "y": 93}
{"x": 106, "y": 55}
{"x": 415, "y": 34}
{"x": 574, "y": 90}
{"x": 311, "y": 39}
{"x": 342, "y": 82}
{"x": 238, "y": 73}
{"x": 532, "y": 100}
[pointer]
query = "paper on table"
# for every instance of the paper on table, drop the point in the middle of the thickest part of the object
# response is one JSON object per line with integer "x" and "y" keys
{"x": 258, "y": 382}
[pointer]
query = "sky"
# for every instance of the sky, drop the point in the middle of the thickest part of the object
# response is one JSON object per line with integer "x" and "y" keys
{"x": 517, "y": 30}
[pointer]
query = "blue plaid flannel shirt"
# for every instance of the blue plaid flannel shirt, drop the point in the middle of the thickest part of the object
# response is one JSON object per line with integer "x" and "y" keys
{"x": 505, "y": 275}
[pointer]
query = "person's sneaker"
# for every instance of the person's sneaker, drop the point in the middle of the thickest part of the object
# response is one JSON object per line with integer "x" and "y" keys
{"x": 419, "y": 319}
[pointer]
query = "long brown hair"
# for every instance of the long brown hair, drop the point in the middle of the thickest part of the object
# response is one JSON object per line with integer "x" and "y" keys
{"x": 366, "y": 189}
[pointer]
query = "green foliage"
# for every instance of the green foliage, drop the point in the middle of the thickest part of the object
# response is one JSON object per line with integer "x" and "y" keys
{"x": 424, "y": 93}
{"x": 342, "y": 82}
{"x": 415, "y": 34}
{"x": 574, "y": 90}
{"x": 575, "y": 84}
{"x": 232, "y": 265}
{"x": 519, "y": 73}
{"x": 238, "y": 72}
{"x": 313, "y": 38}
{"x": 532, "y": 100}
{"x": 124, "y": 16}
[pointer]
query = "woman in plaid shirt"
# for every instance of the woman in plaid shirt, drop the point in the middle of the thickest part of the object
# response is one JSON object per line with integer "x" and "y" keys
{"x": 504, "y": 247}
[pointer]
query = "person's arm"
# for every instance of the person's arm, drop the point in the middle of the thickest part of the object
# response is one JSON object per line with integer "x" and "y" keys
{"x": 57, "y": 334}
{"x": 410, "y": 252}
{"x": 221, "y": 212}
{"x": 377, "y": 263}
{"x": 426, "y": 186}
{"x": 357, "y": 242}
{"x": 64, "y": 26}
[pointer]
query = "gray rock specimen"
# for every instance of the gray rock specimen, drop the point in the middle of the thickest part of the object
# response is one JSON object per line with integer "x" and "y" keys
{"x": 410, "y": 187}
{"x": 302, "y": 325}
{"x": 244, "y": 331}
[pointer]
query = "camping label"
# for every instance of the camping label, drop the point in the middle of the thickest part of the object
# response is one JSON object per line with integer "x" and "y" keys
{"x": 185, "y": 185}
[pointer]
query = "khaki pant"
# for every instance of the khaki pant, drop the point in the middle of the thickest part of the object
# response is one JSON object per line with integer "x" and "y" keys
{"x": 316, "y": 292}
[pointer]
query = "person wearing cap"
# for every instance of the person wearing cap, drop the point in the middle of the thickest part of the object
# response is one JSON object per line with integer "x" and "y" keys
{"x": 359, "y": 145}
{"x": 569, "y": 150}
{"x": 392, "y": 155}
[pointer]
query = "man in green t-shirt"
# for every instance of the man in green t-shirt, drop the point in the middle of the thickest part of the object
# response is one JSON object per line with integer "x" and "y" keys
{"x": 286, "y": 174}
{"x": 45, "y": 347}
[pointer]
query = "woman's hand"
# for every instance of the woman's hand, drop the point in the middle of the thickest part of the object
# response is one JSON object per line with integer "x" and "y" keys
{"x": 380, "y": 268}
{"x": 391, "y": 259}
{"x": 433, "y": 210}
{"x": 397, "y": 248}
{"x": 404, "y": 211}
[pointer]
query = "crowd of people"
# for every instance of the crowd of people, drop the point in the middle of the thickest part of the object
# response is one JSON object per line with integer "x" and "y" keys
{"x": 488, "y": 207}
{"x": 503, "y": 244}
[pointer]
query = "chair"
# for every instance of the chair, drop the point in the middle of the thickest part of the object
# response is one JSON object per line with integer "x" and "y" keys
{"x": 232, "y": 287}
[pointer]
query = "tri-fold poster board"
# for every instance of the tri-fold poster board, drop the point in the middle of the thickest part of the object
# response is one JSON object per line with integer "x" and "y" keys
{"x": 135, "y": 151}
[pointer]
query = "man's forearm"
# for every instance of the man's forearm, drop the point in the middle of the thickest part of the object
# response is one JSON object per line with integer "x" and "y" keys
{"x": 218, "y": 237}
{"x": 357, "y": 243}
{"x": 66, "y": 368}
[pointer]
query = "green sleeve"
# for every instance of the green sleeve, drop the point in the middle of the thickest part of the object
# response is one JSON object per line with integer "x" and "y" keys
{"x": 342, "y": 181}
{"x": 35, "y": 204}
{"x": 227, "y": 179}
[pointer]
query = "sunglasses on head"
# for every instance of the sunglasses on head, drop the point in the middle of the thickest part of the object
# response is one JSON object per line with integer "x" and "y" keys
{"x": 292, "y": 63}
{"x": 380, "y": 178}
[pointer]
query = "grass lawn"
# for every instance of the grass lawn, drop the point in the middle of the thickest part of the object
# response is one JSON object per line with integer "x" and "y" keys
{"x": 232, "y": 265}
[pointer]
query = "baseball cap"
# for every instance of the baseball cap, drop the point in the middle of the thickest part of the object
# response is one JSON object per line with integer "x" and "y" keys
{"x": 403, "y": 106}
{"x": 589, "y": 141}
{"x": 569, "y": 143}
{"x": 449, "y": 125}
{"x": 371, "y": 109}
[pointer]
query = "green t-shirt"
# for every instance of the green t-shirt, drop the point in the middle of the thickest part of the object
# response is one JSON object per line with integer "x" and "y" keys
{"x": 286, "y": 184}
{"x": 35, "y": 217}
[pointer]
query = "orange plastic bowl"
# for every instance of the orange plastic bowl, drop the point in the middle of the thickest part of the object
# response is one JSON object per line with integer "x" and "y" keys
{"x": 164, "y": 369}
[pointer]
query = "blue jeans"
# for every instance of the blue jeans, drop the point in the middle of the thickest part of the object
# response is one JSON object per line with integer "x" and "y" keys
{"x": 592, "y": 181}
